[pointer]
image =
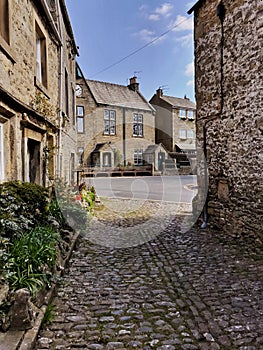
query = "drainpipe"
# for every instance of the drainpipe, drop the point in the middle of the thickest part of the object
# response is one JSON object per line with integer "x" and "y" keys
{"x": 220, "y": 12}
{"x": 60, "y": 91}
{"x": 124, "y": 136}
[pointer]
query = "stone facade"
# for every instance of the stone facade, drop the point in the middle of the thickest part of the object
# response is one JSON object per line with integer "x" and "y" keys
{"x": 229, "y": 95}
{"x": 175, "y": 121}
{"x": 33, "y": 35}
{"x": 99, "y": 147}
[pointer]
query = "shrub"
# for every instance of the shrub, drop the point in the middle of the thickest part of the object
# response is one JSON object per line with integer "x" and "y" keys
{"x": 22, "y": 206}
{"x": 32, "y": 258}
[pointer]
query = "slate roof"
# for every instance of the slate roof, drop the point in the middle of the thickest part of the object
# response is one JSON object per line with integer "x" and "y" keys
{"x": 179, "y": 102}
{"x": 118, "y": 96}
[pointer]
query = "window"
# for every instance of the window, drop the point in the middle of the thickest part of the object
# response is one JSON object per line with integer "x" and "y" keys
{"x": 190, "y": 134}
{"x": 66, "y": 93}
{"x": 109, "y": 122}
{"x": 4, "y": 20}
{"x": 190, "y": 115}
{"x": 137, "y": 125}
{"x": 138, "y": 158}
{"x": 80, "y": 155}
{"x": 182, "y": 134}
{"x": 73, "y": 107}
{"x": 2, "y": 171}
{"x": 182, "y": 113}
{"x": 80, "y": 119}
{"x": 41, "y": 57}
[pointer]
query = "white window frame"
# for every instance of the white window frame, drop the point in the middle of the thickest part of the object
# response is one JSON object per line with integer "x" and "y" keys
{"x": 109, "y": 122}
{"x": 80, "y": 120}
{"x": 190, "y": 115}
{"x": 137, "y": 125}
{"x": 41, "y": 56}
{"x": 190, "y": 134}
{"x": 183, "y": 134}
{"x": 138, "y": 156}
{"x": 2, "y": 163}
{"x": 182, "y": 113}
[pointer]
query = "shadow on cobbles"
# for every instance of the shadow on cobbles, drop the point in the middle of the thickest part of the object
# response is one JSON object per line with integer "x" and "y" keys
{"x": 193, "y": 290}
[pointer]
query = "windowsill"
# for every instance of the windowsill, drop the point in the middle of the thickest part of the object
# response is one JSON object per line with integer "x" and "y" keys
{"x": 7, "y": 50}
{"x": 109, "y": 134}
{"x": 41, "y": 87}
{"x": 141, "y": 136}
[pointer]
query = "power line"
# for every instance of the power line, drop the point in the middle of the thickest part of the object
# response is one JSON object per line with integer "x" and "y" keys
{"x": 139, "y": 49}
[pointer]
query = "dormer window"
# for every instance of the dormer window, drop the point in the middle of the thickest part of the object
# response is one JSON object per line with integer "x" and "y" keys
{"x": 182, "y": 113}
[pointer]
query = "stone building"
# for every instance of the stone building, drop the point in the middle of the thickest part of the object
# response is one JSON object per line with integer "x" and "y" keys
{"x": 115, "y": 123}
{"x": 37, "y": 91}
{"x": 228, "y": 38}
{"x": 175, "y": 122}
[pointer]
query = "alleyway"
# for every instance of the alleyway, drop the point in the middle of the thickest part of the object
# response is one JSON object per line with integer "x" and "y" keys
{"x": 194, "y": 290}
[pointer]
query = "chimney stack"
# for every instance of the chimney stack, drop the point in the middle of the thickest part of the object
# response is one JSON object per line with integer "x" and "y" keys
{"x": 159, "y": 92}
{"x": 134, "y": 86}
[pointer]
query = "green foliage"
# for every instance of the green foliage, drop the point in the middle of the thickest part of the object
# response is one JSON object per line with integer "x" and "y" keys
{"x": 32, "y": 258}
{"x": 22, "y": 206}
{"x": 48, "y": 316}
{"x": 74, "y": 203}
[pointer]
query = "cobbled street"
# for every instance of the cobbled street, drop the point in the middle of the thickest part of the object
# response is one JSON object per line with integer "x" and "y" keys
{"x": 194, "y": 290}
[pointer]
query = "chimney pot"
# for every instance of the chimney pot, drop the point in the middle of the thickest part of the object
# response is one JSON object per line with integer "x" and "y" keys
{"x": 134, "y": 86}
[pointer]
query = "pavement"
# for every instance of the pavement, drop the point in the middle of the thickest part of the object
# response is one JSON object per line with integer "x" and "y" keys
{"x": 177, "y": 289}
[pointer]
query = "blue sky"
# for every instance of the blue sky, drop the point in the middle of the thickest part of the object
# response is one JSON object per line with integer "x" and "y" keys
{"x": 107, "y": 31}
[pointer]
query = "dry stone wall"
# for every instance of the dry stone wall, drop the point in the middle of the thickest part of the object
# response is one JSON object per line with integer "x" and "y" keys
{"x": 229, "y": 93}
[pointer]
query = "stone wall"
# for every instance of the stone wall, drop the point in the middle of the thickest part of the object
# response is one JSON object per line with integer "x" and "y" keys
{"x": 229, "y": 94}
{"x": 20, "y": 108}
{"x": 94, "y": 128}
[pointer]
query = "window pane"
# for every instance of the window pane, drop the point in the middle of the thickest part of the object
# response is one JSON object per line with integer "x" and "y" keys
{"x": 182, "y": 134}
{"x": 112, "y": 115}
{"x": 190, "y": 134}
{"x": 139, "y": 118}
{"x": 182, "y": 113}
{"x": 190, "y": 114}
{"x": 106, "y": 127}
{"x": 80, "y": 111}
{"x": 80, "y": 124}
{"x": 106, "y": 114}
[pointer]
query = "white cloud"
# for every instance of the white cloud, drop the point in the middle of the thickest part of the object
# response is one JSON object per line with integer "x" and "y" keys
{"x": 189, "y": 69}
{"x": 154, "y": 17}
{"x": 146, "y": 35}
{"x": 165, "y": 10}
{"x": 182, "y": 23}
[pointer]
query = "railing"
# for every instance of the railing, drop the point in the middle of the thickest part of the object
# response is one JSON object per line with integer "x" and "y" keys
{"x": 142, "y": 170}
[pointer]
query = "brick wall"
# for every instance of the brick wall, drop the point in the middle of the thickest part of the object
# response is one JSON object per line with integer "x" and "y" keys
{"x": 229, "y": 95}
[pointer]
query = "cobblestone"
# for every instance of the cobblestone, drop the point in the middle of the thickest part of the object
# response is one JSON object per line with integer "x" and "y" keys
{"x": 181, "y": 290}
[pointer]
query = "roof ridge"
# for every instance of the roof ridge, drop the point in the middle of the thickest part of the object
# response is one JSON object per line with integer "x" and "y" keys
{"x": 106, "y": 82}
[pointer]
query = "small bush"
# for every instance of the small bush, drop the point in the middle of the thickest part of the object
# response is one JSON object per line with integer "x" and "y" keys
{"x": 22, "y": 206}
{"x": 31, "y": 259}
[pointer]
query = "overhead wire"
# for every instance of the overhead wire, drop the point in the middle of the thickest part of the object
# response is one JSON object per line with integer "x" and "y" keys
{"x": 140, "y": 48}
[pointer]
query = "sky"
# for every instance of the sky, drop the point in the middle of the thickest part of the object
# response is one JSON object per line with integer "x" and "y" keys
{"x": 149, "y": 39}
